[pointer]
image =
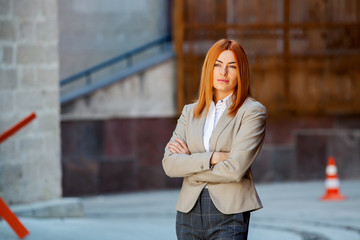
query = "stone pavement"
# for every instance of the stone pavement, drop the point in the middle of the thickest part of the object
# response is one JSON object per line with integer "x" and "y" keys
{"x": 292, "y": 211}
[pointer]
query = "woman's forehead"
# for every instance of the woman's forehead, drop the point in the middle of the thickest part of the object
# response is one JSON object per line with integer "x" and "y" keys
{"x": 227, "y": 56}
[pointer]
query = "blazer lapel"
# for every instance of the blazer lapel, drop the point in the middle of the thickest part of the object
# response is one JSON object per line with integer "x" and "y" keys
{"x": 198, "y": 131}
{"x": 223, "y": 122}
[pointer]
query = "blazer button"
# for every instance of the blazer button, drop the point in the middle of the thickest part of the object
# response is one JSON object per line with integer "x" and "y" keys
{"x": 201, "y": 167}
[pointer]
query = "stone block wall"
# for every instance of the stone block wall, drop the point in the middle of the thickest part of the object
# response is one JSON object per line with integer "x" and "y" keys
{"x": 297, "y": 149}
{"x": 30, "y": 167}
{"x": 114, "y": 155}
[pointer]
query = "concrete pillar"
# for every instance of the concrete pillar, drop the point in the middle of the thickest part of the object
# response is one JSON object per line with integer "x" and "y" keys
{"x": 30, "y": 167}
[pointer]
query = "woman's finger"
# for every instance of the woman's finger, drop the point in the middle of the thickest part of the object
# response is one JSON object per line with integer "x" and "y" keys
{"x": 172, "y": 150}
{"x": 175, "y": 148}
{"x": 183, "y": 145}
{"x": 178, "y": 146}
{"x": 181, "y": 142}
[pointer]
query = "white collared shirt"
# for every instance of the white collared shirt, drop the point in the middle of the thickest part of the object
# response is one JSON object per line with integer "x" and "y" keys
{"x": 212, "y": 118}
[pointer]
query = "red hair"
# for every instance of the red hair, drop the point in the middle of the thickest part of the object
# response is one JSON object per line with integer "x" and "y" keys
{"x": 242, "y": 89}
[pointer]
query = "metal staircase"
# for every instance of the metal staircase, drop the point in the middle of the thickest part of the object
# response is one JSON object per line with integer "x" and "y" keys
{"x": 116, "y": 69}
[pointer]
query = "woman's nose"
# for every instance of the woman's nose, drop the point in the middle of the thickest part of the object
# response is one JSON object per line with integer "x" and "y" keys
{"x": 224, "y": 70}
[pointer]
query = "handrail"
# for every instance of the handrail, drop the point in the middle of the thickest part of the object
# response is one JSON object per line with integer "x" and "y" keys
{"x": 115, "y": 77}
{"x": 127, "y": 55}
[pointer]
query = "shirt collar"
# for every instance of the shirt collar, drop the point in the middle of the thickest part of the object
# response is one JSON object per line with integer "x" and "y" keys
{"x": 227, "y": 100}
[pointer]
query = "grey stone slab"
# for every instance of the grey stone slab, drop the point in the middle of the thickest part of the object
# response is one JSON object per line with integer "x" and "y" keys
{"x": 27, "y": 78}
{"x": 7, "y": 55}
{"x": 27, "y": 9}
{"x": 47, "y": 76}
{"x": 5, "y": 7}
{"x": 31, "y": 54}
{"x": 47, "y": 31}
{"x": 6, "y": 102}
{"x": 9, "y": 79}
{"x": 7, "y": 30}
{"x": 26, "y": 31}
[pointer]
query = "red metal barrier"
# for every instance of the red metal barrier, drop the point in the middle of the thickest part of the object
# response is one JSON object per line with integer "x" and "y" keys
{"x": 17, "y": 127}
{"x": 5, "y": 211}
{"x": 12, "y": 220}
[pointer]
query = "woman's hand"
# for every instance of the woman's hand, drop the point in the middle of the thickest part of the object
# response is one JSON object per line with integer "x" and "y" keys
{"x": 179, "y": 146}
{"x": 218, "y": 157}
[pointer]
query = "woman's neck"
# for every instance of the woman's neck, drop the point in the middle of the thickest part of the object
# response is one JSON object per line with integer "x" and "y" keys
{"x": 218, "y": 96}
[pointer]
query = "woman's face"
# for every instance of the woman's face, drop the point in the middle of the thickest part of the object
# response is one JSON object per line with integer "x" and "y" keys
{"x": 225, "y": 74}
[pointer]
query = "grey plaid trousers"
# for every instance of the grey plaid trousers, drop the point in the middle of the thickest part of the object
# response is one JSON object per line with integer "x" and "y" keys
{"x": 204, "y": 221}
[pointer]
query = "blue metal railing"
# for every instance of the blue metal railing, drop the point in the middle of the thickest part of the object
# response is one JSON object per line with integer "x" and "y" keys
{"x": 127, "y": 56}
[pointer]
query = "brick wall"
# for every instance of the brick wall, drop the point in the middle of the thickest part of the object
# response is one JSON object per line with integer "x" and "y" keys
{"x": 29, "y": 76}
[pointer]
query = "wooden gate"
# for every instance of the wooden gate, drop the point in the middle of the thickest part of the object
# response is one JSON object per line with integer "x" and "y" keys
{"x": 304, "y": 54}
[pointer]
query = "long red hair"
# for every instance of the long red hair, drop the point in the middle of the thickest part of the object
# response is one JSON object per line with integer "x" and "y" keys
{"x": 242, "y": 90}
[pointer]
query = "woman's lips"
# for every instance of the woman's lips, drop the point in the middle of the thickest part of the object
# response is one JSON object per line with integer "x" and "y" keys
{"x": 223, "y": 80}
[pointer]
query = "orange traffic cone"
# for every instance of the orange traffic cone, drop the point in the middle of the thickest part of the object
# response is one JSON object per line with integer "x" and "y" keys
{"x": 332, "y": 184}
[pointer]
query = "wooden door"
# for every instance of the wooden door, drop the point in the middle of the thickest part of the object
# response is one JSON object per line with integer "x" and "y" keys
{"x": 304, "y": 54}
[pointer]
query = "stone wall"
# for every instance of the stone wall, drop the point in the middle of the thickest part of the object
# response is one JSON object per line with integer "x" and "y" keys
{"x": 298, "y": 148}
{"x": 30, "y": 160}
{"x": 150, "y": 93}
{"x": 115, "y": 155}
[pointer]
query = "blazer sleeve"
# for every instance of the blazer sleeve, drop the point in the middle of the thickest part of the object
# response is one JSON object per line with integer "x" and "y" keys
{"x": 183, "y": 165}
{"x": 244, "y": 150}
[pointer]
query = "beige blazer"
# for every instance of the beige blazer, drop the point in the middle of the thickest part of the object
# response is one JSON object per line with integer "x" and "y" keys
{"x": 230, "y": 182}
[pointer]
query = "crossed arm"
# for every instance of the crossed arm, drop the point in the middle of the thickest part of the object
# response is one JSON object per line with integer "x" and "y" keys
{"x": 226, "y": 166}
{"x": 180, "y": 147}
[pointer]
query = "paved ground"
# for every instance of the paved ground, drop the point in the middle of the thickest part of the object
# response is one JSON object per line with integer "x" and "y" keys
{"x": 292, "y": 211}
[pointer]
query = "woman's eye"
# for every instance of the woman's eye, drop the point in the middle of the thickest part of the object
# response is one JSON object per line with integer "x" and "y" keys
{"x": 217, "y": 65}
{"x": 234, "y": 67}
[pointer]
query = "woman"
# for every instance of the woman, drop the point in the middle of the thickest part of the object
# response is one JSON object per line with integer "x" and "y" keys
{"x": 213, "y": 147}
